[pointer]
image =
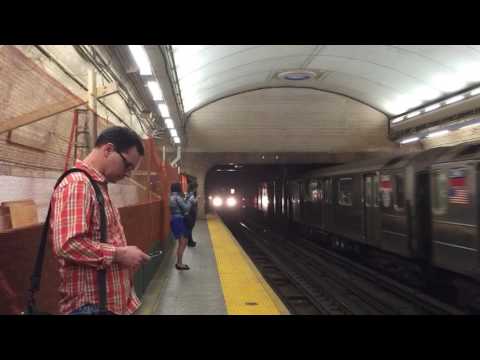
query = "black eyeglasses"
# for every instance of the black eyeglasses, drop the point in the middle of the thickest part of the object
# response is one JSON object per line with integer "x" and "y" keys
{"x": 128, "y": 166}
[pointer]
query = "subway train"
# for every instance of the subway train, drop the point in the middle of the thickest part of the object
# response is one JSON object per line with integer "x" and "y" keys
{"x": 226, "y": 198}
{"x": 420, "y": 210}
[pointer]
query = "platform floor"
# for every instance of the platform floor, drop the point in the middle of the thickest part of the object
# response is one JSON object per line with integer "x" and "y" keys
{"x": 222, "y": 280}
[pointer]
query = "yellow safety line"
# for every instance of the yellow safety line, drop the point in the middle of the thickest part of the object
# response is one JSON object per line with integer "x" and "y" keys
{"x": 245, "y": 290}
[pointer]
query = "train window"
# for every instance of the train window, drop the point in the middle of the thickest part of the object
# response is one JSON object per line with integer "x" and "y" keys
{"x": 314, "y": 190}
{"x": 368, "y": 191}
{"x": 439, "y": 193}
{"x": 399, "y": 192}
{"x": 386, "y": 190}
{"x": 345, "y": 191}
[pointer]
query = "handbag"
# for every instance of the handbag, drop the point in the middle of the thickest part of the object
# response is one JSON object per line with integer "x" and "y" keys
{"x": 31, "y": 308}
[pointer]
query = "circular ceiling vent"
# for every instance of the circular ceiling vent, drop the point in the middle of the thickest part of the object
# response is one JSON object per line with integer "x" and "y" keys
{"x": 296, "y": 75}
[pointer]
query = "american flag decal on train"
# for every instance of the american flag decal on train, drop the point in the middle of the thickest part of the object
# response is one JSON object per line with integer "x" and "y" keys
{"x": 457, "y": 190}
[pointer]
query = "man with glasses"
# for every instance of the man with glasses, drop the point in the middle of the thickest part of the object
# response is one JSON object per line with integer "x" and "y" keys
{"x": 75, "y": 229}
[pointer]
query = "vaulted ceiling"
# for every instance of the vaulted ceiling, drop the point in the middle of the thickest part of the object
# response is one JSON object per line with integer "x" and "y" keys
{"x": 389, "y": 78}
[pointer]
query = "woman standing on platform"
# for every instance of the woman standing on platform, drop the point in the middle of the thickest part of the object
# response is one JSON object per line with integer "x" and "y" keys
{"x": 178, "y": 208}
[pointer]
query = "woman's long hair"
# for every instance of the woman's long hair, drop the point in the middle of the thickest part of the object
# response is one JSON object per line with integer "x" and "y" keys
{"x": 176, "y": 187}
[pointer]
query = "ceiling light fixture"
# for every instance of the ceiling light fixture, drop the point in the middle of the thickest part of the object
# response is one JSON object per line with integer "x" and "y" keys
{"x": 141, "y": 59}
{"x": 169, "y": 123}
{"x": 164, "y": 110}
{"x": 155, "y": 90}
{"x": 409, "y": 140}
{"x": 437, "y": 134}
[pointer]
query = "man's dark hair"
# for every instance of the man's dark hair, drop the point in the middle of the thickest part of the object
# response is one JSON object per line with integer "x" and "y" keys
{"x": 176, "y": 187}
{"x": 122, "y": 138}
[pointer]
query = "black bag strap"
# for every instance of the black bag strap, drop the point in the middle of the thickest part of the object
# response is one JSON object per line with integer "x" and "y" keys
{"x": 37, "y": 270}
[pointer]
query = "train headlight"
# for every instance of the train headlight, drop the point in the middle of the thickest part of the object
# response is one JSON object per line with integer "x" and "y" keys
{"x": 231, "y": 202}
{"x": 217, "y": 201}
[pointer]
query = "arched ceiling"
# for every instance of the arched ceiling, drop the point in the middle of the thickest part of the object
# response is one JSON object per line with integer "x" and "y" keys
{"x": 389, "y": 78}
{"x": 287, "y": 120}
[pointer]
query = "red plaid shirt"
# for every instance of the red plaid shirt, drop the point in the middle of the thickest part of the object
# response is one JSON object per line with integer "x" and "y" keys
{"x": 75, "y": 231}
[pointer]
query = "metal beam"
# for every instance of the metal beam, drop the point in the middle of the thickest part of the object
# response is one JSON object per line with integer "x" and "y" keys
{"x": 40, "y": 114}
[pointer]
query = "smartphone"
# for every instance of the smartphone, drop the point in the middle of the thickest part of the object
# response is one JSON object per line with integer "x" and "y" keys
{"x": 155, "y": 253}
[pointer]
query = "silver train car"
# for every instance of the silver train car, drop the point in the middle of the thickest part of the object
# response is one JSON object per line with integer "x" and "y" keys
{"x": 421, "y": 207}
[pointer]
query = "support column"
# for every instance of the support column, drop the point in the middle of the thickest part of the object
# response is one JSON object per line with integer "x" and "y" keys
{"x": 92, "y": 104}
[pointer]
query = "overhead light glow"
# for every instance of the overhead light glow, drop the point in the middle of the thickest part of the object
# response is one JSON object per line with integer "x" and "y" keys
{"x": 475, "y": 91}
{"x": 231, "y": 201}
{"x": 415, "y": 113}
{"x": 141, "y": 59}
{"x": 437, "y": 134}
{"x": 470, "y": 125}
{"x": 426, "y": 93}
{"x": 169, "y": 123}
{"x": 454, "y": 99}
{"x": 164, "y": 110}
{"x": 432, "y": 107}
{"x": 155, "y": 90}
{"x": 469, "y": 72}
{"x": 173, "y": 132}
{"x": 406, "y": 141}
{"x": 217, "y": 201}
{"x": 176, "y": 140}
{"x": 448, "y": 83}
{"x": 397, "y": 120}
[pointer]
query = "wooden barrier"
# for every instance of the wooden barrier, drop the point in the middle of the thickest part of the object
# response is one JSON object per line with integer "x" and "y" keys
{"x": 144, "y": 227}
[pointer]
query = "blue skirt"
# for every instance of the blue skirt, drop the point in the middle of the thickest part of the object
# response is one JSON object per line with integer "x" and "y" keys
{"x": 177, "y": 224}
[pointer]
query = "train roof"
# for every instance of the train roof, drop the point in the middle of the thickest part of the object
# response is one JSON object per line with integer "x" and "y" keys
{"x": 461, "y": 152}
{"x": 372, "y": 164}
{"x": 418, "y": 160}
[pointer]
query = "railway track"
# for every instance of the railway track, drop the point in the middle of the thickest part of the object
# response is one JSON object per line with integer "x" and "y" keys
{"x": 326, "y": 281}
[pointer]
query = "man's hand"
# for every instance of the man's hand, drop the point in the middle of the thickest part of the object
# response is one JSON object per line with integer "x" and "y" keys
{"x": 130, "y": 256}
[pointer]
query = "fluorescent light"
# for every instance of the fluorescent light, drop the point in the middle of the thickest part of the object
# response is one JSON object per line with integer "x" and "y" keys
{"x": 454, "y": 99}
{"x": 432, "y": 107}
{"x": 394, "y": 121}
{"x": 415, "y": 113}
{"x": 173, "y": 132}
{"x": 406, "y": 141}
{"x": 176, "y": 140}
{"x": 141, "y": 59}
{"x": 164, "y": 110}
{"x": 470, "y": 125}
{"x": 475, "y": 91}
{"x": 169, "y": 123}
{"x": 155, "y": 90}
{"x": 437, "y": 134}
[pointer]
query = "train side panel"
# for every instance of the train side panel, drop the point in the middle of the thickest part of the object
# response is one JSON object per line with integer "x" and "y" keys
{"x": 454, "y": 206}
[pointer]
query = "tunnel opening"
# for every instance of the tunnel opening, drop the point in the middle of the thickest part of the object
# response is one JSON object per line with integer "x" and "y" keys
{"x": 233, "y": 187}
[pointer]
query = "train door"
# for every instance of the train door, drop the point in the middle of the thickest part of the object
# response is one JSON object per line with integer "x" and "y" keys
{"x": 423, "y": 218}
{"x": 371, "y": 206}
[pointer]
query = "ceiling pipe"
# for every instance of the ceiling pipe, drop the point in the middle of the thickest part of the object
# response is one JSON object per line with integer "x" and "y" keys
{"x": 177, "y": 158}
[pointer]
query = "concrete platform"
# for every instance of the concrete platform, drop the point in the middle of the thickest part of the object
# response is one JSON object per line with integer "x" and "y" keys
{"x": 221, "y": 281}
